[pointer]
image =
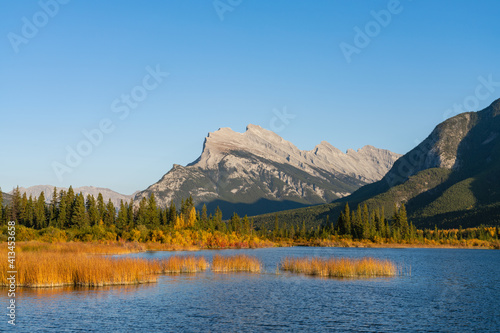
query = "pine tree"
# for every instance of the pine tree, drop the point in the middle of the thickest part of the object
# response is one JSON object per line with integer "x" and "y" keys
{"x": 130, "y": 214}
{"x": 92, "y": 211}
{"x": 365, "y": 225}
{"x": 142, "y": 212}
{"x": 403, "y": 221}
{"x": 379, "y": 223}
{"x": 122, "y": 219}
{"x": 40, "y": 212}
{"x": 110, "y": 214}
{"x": 153, "y": 218}
{"x": 23, "y": 213}
{"x": 16, "y": 205}
{"x": 63, "y": 210}
{"x": 396, "y": 225}
{"x": 70, "y": 204}
{"x": 276, "y": 227}
{"x": 346, "y": 221}
{"x": 204, "y": 217}
{"x": 172, "y": 213}
{"x": 218, "y": 219}
{"x": 292, "y": 232}
{"x": 303, "y": 230}
{"x": 246, "y": 225}
{"x": 53, "y": 209}
{"x": 79, "y": 216}
{"x": 29, "y": 215}
{"x": 101, "y": 208}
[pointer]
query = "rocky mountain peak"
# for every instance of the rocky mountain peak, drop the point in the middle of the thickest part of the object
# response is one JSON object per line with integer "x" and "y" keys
{"x": 260, "y": 165}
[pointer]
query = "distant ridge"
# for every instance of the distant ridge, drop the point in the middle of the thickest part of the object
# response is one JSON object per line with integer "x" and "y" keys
{"x": 48, "y": 190}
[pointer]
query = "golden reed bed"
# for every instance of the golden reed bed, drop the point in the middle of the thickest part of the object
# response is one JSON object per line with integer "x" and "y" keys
{"x": 340, "y": 267}
{"x": 49, "y": 269}
{"x": 237, "y": 263}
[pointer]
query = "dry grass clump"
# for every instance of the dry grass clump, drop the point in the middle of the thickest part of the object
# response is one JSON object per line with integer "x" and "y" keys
{"x": 177, "y": 264}
{"x": 45, "y": 269}
{"x": 49, "y": 269}
{"x": 237, "y": 263}
{"x": 340, "y": 267}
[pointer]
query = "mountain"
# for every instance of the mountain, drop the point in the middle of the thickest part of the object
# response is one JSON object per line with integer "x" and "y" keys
{"x": 85, "y": 190}
{"x": 452, "y": 178}
{"x": 258, "y": 171}
{"x": 6, "y": 198}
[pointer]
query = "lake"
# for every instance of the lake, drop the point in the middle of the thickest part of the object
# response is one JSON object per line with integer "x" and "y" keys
{"x": 449, "y": 290}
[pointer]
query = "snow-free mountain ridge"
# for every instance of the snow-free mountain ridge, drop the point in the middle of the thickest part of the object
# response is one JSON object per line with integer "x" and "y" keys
{"x": 259, "y": 166}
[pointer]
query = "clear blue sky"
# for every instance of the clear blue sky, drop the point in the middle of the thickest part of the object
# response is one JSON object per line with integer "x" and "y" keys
{"x": 263, "y": 56}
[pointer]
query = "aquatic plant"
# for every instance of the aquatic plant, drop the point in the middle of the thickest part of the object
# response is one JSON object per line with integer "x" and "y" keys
{"x": 52, "y": 269}
{"x": 237, "y": 263}
{"x": 340, "y": 267}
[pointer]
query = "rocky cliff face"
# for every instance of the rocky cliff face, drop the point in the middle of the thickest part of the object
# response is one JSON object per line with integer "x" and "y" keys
{"x": 245, "y": 168}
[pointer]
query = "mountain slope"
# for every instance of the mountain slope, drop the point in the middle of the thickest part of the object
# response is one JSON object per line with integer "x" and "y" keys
{"x": 258, "y": 171}
{"x": 6, "y": 198}
{"x": 452, "y": 178}
{"x": 48, "y": 190}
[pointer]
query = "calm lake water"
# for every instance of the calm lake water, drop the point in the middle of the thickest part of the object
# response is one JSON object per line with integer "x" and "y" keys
{"x": 449, "y": 290}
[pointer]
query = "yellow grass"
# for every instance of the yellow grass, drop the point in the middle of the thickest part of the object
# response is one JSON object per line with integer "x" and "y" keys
{"x": 53, "y": 269}
{"x": 176, "y": 264}
{"x": 237, "y": 263}
{"x": 340, "y": 267}
{"x": 81, "y": 247}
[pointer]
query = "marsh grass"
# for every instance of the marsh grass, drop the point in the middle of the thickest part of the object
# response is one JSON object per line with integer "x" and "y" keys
{"x": 340, "y": 267}
{"x": 237, "y": 263}
{"x": 181, "y": 264}
{"x": 81, "y": 247}
{"x": 56, "y": 269}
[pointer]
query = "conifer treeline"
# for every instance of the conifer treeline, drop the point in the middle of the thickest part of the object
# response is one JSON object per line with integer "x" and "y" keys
{"x": 68, "y": 210}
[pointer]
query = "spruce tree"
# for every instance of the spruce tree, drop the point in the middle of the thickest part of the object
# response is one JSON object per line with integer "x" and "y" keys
{"x": 92, "y": 211}
{"x": 121, "y": 220}
{"x": 101, "y": 208}
{"x": 303, "y": 231}
{"x": 15, "y": 205}
{"x": 142, "y": 212}
{"x": 204, "y": 217}
{"x": 53, "y": 209}
{"x": 40, "y": 212}
{"x": 403, "y": 221}
{"x": 153, "y": 218}
{"x": 79, "y": 216}
{"x": 172, "y": 213}
{"x": 62, "y": 216}
{"x": 30, "y": 213}
{"x": 246, "y": 225}
{"x": 109, "y": 214}
{"x": 130, "y": 214}
{"x": 276, "y": 226}
{"x": 23, "y": 213}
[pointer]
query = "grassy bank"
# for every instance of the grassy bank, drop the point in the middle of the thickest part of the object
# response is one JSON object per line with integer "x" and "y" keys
{"x": 340, "y": 267}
